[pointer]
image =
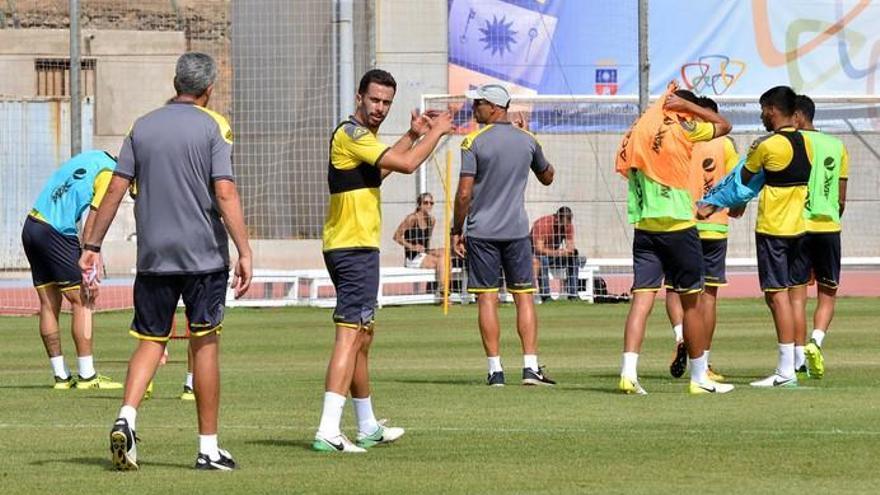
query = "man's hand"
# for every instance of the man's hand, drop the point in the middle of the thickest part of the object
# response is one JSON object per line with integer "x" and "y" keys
{"x": 457, "y": 242}
{"x": 241, "y": 281}
{"x": 441, "y": 122}
{"x": 737, "y": 212}
{"x": 90, "y": 265}
{"x": 705, "y": 210}
{"x": 675, "y": 103}
{"x": 519, "y": 120}
{"x": 420, "y": 124}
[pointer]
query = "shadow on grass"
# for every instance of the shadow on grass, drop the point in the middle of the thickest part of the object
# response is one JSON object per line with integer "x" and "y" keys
{"x": 106, "y": 465}
{"x": 274, "y": 442}
{"x": 428, "y": 381}
{"x": 28, "y": 387}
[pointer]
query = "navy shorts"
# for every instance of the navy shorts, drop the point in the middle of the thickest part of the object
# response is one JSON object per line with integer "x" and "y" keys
{"x": 782, "y": 262}
{"x": 355, "y": 275}
{"x": 155, "y": 301}
{"x": 823, "y": 255}
{"x": 53, "y": 256}
{"x": 714, "y": 261}
{"x": 676, "y": 257}
{"x": 486, "y": 259}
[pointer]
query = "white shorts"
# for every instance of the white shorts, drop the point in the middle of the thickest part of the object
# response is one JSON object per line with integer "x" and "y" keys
{"x": 415, "y": 262}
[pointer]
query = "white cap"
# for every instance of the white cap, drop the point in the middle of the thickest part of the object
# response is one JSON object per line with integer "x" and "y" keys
{"x": 493, "y": 93}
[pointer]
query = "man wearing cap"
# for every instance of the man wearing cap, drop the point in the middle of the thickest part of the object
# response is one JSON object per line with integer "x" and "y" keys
{"x": 495, "y": 164}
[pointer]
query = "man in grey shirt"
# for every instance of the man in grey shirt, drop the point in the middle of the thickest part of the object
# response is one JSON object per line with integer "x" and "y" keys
{"x": 495, "y": 164}
{"x": 177, "y": 160}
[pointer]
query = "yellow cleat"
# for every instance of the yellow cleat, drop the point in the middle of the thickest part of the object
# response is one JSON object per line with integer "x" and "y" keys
{"x": 64, "y": 383}
{"x": 815, "y": 361}
{"x": 187, "y": 394}
{"x": 630, "y": 387}
{"x": 97, "y": 382}
{"x": 709, "y": 387}
{"x": 714, "y": 375}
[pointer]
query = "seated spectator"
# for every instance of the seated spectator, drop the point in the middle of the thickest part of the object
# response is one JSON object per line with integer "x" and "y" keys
{"x": 414, "y": 234}
{"x": 553, "y": 246}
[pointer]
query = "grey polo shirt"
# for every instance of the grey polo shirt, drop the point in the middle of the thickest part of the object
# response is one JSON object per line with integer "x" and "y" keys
{"x": 499, "y": 157}
{"x": 174, "y": 154}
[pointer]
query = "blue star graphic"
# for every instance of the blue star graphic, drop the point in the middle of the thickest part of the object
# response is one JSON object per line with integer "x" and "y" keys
{"x": 498, "y": 36}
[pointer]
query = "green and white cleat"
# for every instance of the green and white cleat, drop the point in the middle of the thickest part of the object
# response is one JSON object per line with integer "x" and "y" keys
{"x": 383, "y": 435}
{"x": 776, "y": 381}
{"x": 815, "y": 361}
{"x": 339, "y": 443}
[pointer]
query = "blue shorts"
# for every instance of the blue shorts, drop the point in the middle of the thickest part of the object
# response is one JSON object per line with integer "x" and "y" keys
{"x": 714, "y": 261}
{"x": 823, "y": 255}
{"x": 673, "y": 257}
{"x": 782, "y": 262}
{"x": 53, "y": 256}
{"x": 355, "y": 275}
{"x": 487, "y": 258}
{"x": 155, "y": 301}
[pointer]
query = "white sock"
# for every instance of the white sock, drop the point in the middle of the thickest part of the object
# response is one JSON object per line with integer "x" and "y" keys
{"x": 630, "y": 365}
{"x": 785, "y": 366}
{"x": 818, "y": 336}
{"x": 331, "y": 417}
{"x": 363, "y": 411}
{"x": 706, "y": 355}
{"x": 799, "y": 358}
{"x": 130, "y": 415}
{"x": 677, "y": 330}
{"x": 188, "y": 382}
{"x": 699, "y": 367}
{"x": 208, "y": 446}
{"x": 85, "y": 365}
{"x": 530, "y": 361}
{"x": 494, "y": 364}
{"x": 59, "y": 368}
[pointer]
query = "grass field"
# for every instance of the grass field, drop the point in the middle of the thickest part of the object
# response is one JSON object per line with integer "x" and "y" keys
{"x": 462, "y": 437}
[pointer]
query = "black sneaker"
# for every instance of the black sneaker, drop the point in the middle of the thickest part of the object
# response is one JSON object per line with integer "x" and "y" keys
{"x": 532, "y": 377}
{"x": 123, "y": 446}
{"x": 224, "y": 463}
{"x": 679, "y": 360}
{"x": 495, "y": 379}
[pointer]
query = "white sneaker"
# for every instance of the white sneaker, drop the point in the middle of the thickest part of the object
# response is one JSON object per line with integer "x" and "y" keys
{"x": 776, "y": 381}
{"x": 338, "y": 443}
{"x": 709, "y": 387}
{"x": 630, "y": 386}
{"x": 383, "y": 435}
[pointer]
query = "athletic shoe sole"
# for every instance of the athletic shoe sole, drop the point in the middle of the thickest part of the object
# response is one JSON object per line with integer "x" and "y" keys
{"x": 535, "y": 381}
{"x": 119, "y": 452}
{"x": 679, "y": 361}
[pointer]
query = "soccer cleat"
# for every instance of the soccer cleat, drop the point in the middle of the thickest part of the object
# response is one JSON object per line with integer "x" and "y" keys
{"x": 776, "y": 381}
{"x": 802, "y": 373}
{"x": 148, "y": 393}
{"x": 815, "y": 360}
{"x": 714, "y": 375}
{"x": 709, "y": 387}
{"x": 97, "y": 382}
{"x": 224, "y": 463}
{"x": 123, "y": 446}
{"x": 679, "y": 360}
{"x": 630, "y": 386}
{"x": 187, "y": 394}
{"x": 64, "y": 383}
{"x": 532, "y": 377}
{"x": 339, "y": 443}
{"x": 382, "y": 435}
{"x": 495, "y": 379}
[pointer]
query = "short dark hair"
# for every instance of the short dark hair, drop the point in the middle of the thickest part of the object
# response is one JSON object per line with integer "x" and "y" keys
{"x": 804, "y": 104}
{"x": 706, "y": 102}
{"x": 687, "y": 95}
{"x": 378, "y": 76}
{"x": 781, "y": 98}
{"x": 564, "y": 211}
